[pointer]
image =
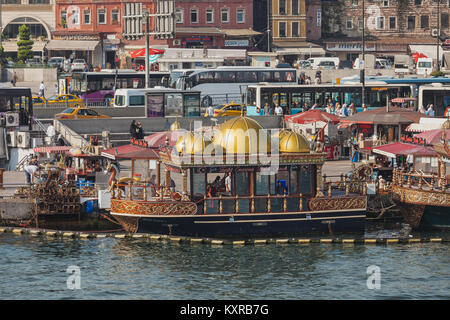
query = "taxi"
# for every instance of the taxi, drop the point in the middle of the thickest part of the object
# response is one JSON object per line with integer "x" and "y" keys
{"x": 80, "y": 113}
{"x": 230, "y": 109}
{"x": 66, "y": 100}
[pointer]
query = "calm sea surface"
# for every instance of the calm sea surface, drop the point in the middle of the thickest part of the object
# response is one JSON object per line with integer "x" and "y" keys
{"x": 34, "y": 267}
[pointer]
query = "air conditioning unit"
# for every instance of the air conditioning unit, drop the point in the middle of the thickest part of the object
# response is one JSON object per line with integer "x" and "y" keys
{"x": 435, "y": 32}
{"x": 12, "y": 139}
{"x": 176, "y": 42}
{"x": 23, "y": 139}
{"x": 12, "y": 119}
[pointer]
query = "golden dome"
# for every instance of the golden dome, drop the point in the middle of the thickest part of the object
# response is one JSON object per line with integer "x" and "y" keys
{"x": 189, "y": 143}
{"x": 240, "y": 135}
{"x": 281, "y": 133}
{"x": 294, "y": 142}
{"x": 175, "y": 126}
{"x": 446, "y": 125}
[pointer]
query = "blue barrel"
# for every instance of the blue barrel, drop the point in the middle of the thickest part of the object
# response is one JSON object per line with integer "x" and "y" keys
{"x": 89, "y": 206}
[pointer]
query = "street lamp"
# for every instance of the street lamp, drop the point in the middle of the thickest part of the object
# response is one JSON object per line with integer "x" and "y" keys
{"x": 147, "y": 57}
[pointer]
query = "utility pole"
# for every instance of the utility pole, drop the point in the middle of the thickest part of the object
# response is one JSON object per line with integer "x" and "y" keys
{"x": 268, "y": 25}
{"x": 363, "y": 71}
{"x": 438, "y": 67}
{"x": 147, "y": 48}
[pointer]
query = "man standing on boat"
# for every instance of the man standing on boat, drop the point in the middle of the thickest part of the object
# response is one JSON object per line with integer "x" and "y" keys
{"x": 228, "y": 183}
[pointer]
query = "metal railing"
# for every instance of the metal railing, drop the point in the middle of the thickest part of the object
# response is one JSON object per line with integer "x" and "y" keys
{"x": 419, "y": 180}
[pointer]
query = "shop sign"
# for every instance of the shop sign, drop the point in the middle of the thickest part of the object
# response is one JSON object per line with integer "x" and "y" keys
{"x": 236, "y": 43}
{"x": 349, "y": 47}
{"x": 197, "y": 39}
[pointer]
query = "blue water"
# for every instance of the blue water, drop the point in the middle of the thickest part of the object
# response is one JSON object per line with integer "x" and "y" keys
{"x": 34, "y": 267}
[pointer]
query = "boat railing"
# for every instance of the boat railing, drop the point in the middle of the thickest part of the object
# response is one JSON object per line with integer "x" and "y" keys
{"x": 419, "y": 180}
{"x": 230, "y": 203}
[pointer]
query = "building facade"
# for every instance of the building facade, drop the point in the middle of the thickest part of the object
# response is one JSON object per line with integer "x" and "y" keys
{"x": 214, "y": 24}
{"x": 391, "y": 26}
{"x": 38, "y": 15}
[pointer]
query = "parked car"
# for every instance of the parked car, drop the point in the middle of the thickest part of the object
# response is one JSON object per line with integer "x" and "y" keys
{"x": 80, "y": 113}
{"x": 346, "y": 64}
{"x": 78, "y": 64}
{"x": 9, "y": 64}
{"x": 327, "y": 65}
{"x": 33, "y": 62}
{"x": 57, "y": 62}
{"x": 304, "y": 64}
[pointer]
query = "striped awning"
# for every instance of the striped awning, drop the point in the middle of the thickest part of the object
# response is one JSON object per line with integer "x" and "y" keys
{"x": 52, "y": 149}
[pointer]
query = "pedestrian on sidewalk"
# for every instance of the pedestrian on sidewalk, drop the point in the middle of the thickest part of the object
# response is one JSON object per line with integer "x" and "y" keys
{"x": 14, "y": 79}
{"x": 42, "y": 89}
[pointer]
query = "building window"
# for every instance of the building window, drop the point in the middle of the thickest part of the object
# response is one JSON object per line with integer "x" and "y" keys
{"x": 295, "y": 11}
{"x": 209, "y": 16}
{"x": 115, "y": 16}
{"x": 240, "y": 16}
{"x": 354, "y": 2}
{"x": 418, "y": 2}
{"x": 385, "y": 3}
{"x": 179, "y": 15}
{"x": 360, "y": 23}
{"x": 424, "y": 22}
{"x": 87, "y": 17}
{"x": 295, "y": 30}
{"x": 444, "y": 21}
{"x": 63, "y": 18}
{"x": 224, "y": 16}
{"x": 102, "y": 16}
{"x": 33, "y": 2}
{"x": 194, "y": 16}
{"x": 282, "y": 29}
{"x": 392, "y": 23}
{"x": 282, "y": 7}
{"x": 75, "y": 17}
{"x": 349, "y": 24}
{"x": 411, "y": 22}
{"x": 380, "y": 23}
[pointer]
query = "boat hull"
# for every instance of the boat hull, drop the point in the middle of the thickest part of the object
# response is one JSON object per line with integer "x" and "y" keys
{"x": 436, "y": 217}
{"x": 246, "y": 225}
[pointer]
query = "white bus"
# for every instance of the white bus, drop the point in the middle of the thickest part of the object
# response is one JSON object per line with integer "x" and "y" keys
{"x": 223, "y": 85}
{"x": 436, "y": 94}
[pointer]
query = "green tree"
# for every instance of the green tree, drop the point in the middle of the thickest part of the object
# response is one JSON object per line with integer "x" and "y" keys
{"x": 2, "y": 56}
{"x": 25, "y": 45}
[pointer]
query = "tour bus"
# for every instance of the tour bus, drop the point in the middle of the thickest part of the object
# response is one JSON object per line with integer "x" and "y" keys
{"x": 223, "y": 84}
{"x": 160, "y": 101}
{"x": 97, "y": 88}
{"x": 296, "y": 98}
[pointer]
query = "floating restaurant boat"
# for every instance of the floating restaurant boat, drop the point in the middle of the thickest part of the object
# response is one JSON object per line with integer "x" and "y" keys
{"x": 243, "y": 182}
{"x": 424, "y": 195}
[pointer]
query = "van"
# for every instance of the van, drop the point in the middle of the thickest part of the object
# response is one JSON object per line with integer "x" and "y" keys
{"x": 424, "y": 66}
{"x": 316, "y": 61}
{"x": 403, "y": 64}
{"x": 129, "y": 98}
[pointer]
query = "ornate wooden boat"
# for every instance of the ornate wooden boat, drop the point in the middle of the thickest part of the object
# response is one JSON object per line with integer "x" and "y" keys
{"x": 242, "y": 182}
{"x": 424, "y": 197}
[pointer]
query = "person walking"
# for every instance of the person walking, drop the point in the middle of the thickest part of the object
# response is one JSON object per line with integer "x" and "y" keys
{"x": 42, "y": 89}
{"x": 14, "y": 79}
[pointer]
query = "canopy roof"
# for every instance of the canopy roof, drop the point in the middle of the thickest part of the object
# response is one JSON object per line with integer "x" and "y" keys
{"x": 313, "y": 115}
{"x": 395, "y": 149}
{"x": 52, "y": 149}
{"x": 395, "y": 116}
{"x": 432, "y": 136}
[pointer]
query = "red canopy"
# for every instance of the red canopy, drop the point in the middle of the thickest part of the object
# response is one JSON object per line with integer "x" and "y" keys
{"x": 114, "y": 153}
{"x": 52, "y": 149}
{"x": 144, "y": 153}
{"x": 432, "y": 136}
{"x": 401, "y": 100}
{"x": 312, "y": 116}
{"x": 141, "y": 52}
{"x": 394, "y": 149}
{"x": 159, "y": 138}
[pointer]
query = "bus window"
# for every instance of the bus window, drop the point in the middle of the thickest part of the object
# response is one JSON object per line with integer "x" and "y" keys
{"x": 206, "y": 77}
{"x": 226, "y": 76}
{"x": 264, "y": 76}
{"x": 173, "y": 104}
{"x": 251, "y": 96}
{"x": 246, "y": 76}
